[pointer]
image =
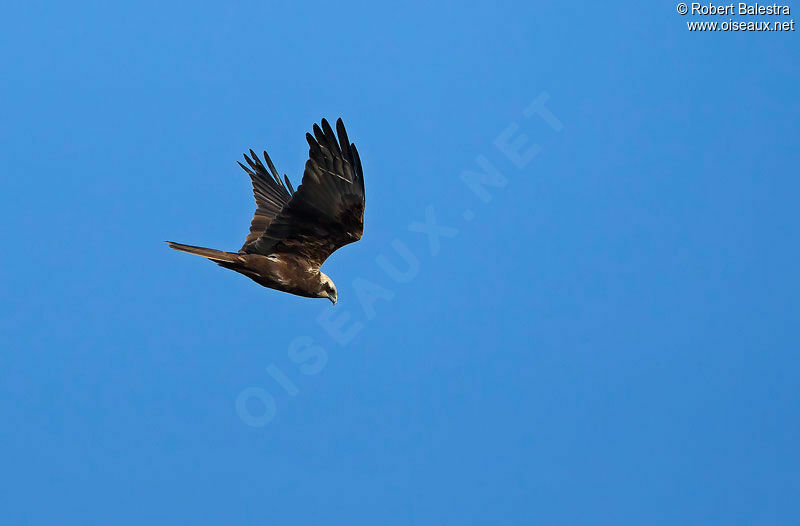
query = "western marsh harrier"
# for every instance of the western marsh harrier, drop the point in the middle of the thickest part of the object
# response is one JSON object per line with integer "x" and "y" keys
{"x": 294, "y": 232}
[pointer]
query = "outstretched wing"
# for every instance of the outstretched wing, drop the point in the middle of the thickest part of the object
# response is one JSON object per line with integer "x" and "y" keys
{"x": 327, "y": 210}
{"x": 270, "y": 192}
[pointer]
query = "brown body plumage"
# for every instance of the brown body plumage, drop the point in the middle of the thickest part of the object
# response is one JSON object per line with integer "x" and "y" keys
{"x": 293, "y": 233}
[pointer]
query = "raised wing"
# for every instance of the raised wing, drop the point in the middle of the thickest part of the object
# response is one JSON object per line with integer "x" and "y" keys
{"x": 327, "y": 210}
{"x": 270, "y": 192}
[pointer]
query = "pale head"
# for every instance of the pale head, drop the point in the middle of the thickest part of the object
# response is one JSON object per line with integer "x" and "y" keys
{"x": 327, "y": 288}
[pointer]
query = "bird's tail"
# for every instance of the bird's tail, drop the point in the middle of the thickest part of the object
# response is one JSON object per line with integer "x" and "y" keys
{"x": 210, "y": 253}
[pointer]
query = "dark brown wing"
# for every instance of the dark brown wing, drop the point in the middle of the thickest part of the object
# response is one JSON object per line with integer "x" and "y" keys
{"x": 327, "y": 210}
{"x": 270, "y": 193}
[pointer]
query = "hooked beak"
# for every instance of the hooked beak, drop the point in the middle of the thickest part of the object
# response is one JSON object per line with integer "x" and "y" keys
{"x": 333, "y": 299}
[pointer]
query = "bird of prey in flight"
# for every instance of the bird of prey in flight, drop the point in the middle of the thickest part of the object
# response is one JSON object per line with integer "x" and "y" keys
{"x": 294, "y": 232}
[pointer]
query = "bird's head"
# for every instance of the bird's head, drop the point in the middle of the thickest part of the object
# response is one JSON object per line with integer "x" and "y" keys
{"x": 327, "y": 288}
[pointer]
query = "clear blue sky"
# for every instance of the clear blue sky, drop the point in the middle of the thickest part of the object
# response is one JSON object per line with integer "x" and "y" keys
{"x": 611, "y": 339}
